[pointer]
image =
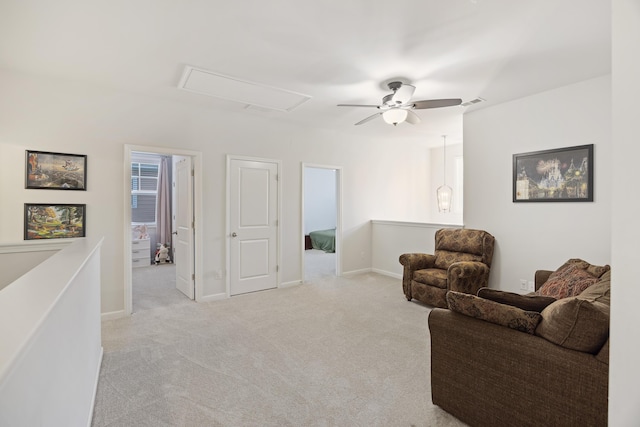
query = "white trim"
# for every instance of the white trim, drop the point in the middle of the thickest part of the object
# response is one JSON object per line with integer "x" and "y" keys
{"x": 290, "y": 284}
{"x": 113, "y": 315}
{"x": 227, "y": 234}
{"x": 338, "y": 237}
{"x": 213, "y": 297}
{"x": 386, "y": 273}
{"x": 197, "y": 213}
{"x": 36, "y": 246}
{"x": 416, "y": 224}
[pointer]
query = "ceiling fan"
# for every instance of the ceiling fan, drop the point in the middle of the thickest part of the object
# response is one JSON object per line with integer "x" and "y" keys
{"x": 397, "y": 107}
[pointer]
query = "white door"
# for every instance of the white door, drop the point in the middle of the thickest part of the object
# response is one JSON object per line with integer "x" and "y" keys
{"x": 183, "y": 253}
{"x": 253, "y": 223}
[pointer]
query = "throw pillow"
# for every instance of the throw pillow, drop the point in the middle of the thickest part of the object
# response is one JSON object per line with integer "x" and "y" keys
{"x": 567, "y": 281}
{"x": 594, "y": 270}
{"x": 525, "y": 302}
{"x": 575, "y": 323}
{"x": 491, "y": 311}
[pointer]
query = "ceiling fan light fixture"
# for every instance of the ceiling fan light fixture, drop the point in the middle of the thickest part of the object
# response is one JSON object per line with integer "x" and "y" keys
{"x": 395, "y": 116}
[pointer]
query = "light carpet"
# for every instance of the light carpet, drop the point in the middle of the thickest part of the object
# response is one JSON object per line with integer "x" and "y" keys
{"x": 334, "y": 352}
{"x": 155, "y": 286}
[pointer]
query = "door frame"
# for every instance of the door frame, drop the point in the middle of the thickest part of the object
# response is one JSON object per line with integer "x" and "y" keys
{"x": 339, "y": 192}
{"x": 227, "y": 235}
{"x": 196, "y": 157}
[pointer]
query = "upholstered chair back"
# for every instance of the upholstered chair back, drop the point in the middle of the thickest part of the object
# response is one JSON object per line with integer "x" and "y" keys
{"x": 454, "y": 245}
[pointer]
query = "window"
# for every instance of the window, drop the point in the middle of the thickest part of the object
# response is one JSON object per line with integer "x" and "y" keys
{"x": 144, "y": 191}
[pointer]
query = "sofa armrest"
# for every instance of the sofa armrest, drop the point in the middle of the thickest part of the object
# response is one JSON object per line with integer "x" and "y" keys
{"x": 467, "y": 276}
{"x": 541, "y": 276}
{"x": 413, "y": 262}
{"x": 487, "y": 375}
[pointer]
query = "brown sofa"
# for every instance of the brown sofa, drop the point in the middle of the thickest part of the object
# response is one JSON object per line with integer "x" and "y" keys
{"x": 496, "y": 364}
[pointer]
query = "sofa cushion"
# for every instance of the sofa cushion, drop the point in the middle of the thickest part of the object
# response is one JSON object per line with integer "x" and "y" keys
{"x": 568, "y": 281}
{"x": 444, "y": 258}
{"x": 600, "y": 291}
{"x": 494, "y": 312}
{"x": 531, "y": 302}
{"x": 432, "y": 276}
{"x": 576, "y": 323}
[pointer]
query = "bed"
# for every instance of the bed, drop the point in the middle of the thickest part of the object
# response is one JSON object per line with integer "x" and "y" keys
{"x": 325, "y": 240}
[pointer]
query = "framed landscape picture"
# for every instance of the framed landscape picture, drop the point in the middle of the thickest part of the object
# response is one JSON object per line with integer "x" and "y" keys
{"x": 560, "y": 175}
{"x": 54, "y": 221}
{"x": 56, "y": 171}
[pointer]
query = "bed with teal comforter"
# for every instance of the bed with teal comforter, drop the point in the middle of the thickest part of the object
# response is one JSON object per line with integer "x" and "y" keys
{"x": 324, "y": 240}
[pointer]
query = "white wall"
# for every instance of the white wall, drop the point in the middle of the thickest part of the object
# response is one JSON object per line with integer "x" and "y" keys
{"x": 380, "y": 180}
{"x": 624, "y": 400}
{"x": 531, "y": 236}
{"x": 320, "y": 205}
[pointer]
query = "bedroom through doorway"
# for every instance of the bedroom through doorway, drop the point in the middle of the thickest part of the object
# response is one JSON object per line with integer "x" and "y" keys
{"x": 321, "y": 222}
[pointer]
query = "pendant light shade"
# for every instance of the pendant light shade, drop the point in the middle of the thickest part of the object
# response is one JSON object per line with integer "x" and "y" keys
{"x": 444, "y": 192}
{"x": 395, "y": 116}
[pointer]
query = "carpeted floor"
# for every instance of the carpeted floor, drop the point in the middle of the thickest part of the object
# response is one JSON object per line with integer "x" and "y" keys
{"x": 319, "y": 264}
{"x": 155, "y": 286}
{"x": 333, "y": 352}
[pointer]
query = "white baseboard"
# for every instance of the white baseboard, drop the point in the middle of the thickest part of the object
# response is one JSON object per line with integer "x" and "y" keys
{"x": 95, "y": 388}
{"x": 356, "y": 272}
{"x": 213, "y": 297}
{"x": 387, "y": 273}
{"x": 113, "y": 315}
{"x": 290, "y": 284}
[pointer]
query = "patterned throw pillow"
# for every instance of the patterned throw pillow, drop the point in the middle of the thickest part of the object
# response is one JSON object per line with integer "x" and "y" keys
{"x": 568, "y": 281}
{"x": 491, "y": 311}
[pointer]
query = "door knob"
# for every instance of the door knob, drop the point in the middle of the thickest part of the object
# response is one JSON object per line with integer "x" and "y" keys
{"x": 234, "y": 234}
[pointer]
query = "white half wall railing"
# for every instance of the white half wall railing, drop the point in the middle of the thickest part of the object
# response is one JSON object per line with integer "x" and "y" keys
{"x": 50, "y": 340}
{"x": 390, "y": 239}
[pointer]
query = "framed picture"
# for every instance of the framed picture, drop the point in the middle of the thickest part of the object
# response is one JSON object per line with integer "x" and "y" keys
{"x": 56, "y": 171}
{"x": 560, "y": 175}
{"x": 54, "y": 221}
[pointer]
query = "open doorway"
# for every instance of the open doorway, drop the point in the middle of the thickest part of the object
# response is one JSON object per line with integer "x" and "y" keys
{"x": 162, "y": 267}
{"x": 321, "y": 221}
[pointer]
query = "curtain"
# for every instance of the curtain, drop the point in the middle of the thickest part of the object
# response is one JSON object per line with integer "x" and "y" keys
{"x": 163, "y": 207}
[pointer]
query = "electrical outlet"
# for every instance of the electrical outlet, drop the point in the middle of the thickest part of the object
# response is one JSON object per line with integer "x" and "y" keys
{"x": 523, "y": 284}
{"x": 531, "y": 286}
{"x": 218, "y": 274}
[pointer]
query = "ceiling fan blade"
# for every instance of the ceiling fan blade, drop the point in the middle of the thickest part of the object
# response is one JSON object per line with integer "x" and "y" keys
{"x": 358, "y": 105}
{"x": 412, "y": 118}
{"x": 436, "y": 103}
{"x": 403, "y": 94}
{"x": 368, "y": 119}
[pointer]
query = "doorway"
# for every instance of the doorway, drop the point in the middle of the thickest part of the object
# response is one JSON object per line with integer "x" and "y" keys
{"x": 162, "y": 194}
{"x": 321, "y": 221}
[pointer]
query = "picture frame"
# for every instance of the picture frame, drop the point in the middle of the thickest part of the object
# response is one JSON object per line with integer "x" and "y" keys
{"x": 55, "y": 171}
{"x": 558, "y": 175}
{"x": 54, "y": 221}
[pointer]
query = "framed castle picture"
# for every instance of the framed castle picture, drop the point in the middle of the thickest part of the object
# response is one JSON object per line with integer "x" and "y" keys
{"x": 56, "y": 171}
{"x": 560, "y": 175}
{"x": 54, "y": 221}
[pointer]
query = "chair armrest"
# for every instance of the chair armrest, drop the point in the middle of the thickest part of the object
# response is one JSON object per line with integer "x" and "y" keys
{"x": 467, "y": 276}
{"x": 541, "y": 276}
{"x": 417, "y": 261}
{"x": 411, "y": 263}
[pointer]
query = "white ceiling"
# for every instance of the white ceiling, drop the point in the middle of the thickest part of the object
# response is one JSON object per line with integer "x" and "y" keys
{"x": 336, "y": 51}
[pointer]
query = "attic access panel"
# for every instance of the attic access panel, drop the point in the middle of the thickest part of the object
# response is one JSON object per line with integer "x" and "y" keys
{"x": 208, "y": 83}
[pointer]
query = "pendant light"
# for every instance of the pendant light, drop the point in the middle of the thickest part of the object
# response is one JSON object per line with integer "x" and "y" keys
{"x": 444, "y": 191}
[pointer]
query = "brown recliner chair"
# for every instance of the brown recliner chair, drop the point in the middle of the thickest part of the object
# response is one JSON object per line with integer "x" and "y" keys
{"x": 461, "y": 262}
